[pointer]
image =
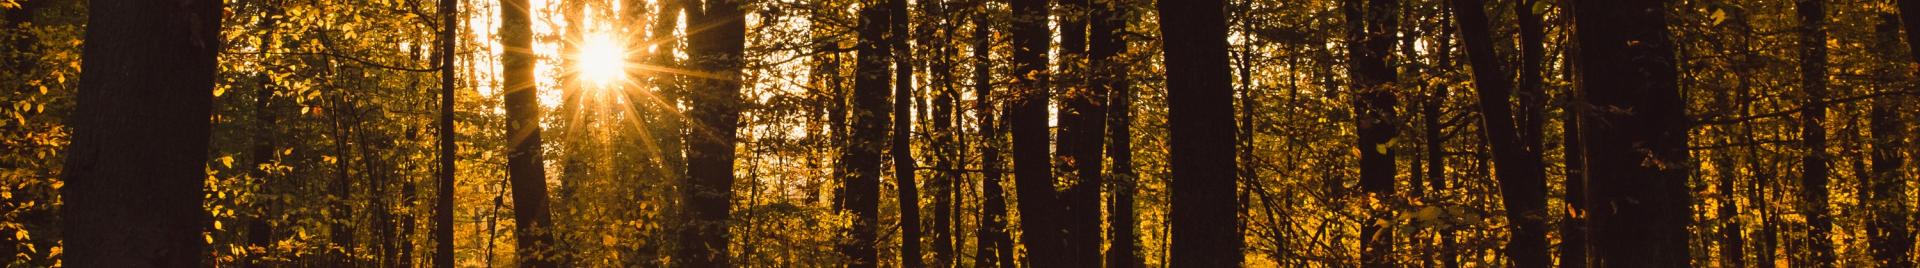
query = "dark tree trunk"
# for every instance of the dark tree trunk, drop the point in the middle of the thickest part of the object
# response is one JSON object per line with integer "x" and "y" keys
{"x": 259, "y": 228}
{"x": 945, "y": 183}
{"x": 140, "y": 134}
{"x": 1080, "y": 133}
{"x": 715, "y": 110}
{"x": 1436, "y": 140}
{"x": 525, "y": 173}
{"x": 1732, "y": 236}
{"x": 1110, "y": 19}
{"x": 1369, "y": 38}
{"x": 1033, "y": 172}
{"x": 1813, "y": 132}
{"x": 1636, "y": 175}
{"x": 993, "y": 247}
{"x": 1573, "y": 229}
{"x": 1205, "y": 232}
{"x": 903, "y": 163}
{"x": 862, "y": 154}
{"x": 443, "y": 204}
{"x": 1890, "y": 239}
{"x": 1522, "y": 178}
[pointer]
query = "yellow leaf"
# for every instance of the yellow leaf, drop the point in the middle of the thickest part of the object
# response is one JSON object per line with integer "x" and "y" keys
{"x": 217, "y": 91}
{"x": 218, "y": 226}
{"x": 226, "y": 161}
{"x": 1380, "y": 148}
{"x": 20, "y": 235}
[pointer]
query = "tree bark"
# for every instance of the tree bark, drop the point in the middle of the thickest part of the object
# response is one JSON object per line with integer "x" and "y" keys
{"x": 1522, "y": 178}
{"x": 1033, "y": 172}
{"x": 710, "y": 143}
{"x": 1205, "y": 230}
{"x": 443, "y": 204}
{"x": 1813, "y": 132}
{"x": 1890, "y": 241}
{"x": 525, "y": 172}
{"x": 862, "y": 155}
{"x": 902, "y": 153}
{"x": 1369, "y": 38}
{"x": 138, "y": 155}
{"x": 1078, "y": 137}
{"x": 1110, "y": 18}
{"x": 1638, "y": 205}
{"x": 993, "y": 247}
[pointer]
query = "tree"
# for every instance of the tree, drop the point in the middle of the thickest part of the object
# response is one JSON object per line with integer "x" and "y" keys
{"x": 1200, "y": 104}
{"x": 1110, "y": 18}
{"x": 1891, "y": 241}
{"x": 1637, "y": 203}
{"x": 901, "y": 151}
{"x": 862, "y": 155}
{"x": 1082, "y": 131}
{"x": 1369, "y": 30}
{"x": 993, "y": 245}
{"x": 443, "y": 204}
{"x": 1813, "y": 134}
{"x": 710, "y": 144}
{"x": 1521, "y": 174}
{"x": 525, "y": 171}
{"x": 137, "y": 164}
{"x": 1027, "y": 112}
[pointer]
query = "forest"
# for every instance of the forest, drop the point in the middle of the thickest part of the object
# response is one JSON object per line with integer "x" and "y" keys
{"x": 959, "y": 133}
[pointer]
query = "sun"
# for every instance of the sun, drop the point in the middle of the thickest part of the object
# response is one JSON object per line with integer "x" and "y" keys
{"x": 602, "y": 61}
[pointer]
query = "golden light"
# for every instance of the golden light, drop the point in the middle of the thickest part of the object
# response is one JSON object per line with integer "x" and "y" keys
{"x": 602, "y": 60}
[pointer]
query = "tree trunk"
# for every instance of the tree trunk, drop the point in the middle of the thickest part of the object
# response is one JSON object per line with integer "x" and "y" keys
{"x": 1638, "y": 206}
{"x": 1369, "y": 38}
{"x": 1813, "y": 132}
{"x": 994, "y": 248}
{"x": 1033, "y": 172}
{"x": 1110, "y": 19}
{"x": 259, "y": 228}
{"x": 710, "y": 143}
{"x": 525, "y": 172}
{"x": 1081, "y": 123}
{"x": 945, "y": 181}
{"x": 1522, "y": 178}
{"x": 862, "y": 154}
{"x": 903, "y": 163}
{"x": 1200, "y": 104}
{"x": 443, "y": 204}
{"x": 1890, "y": 241}
{"x": 140, "y": 133}
{"x": 1436, "y": 141}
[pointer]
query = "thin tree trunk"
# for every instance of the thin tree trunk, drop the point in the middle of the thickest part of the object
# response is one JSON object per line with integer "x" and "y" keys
{"x": 903, "y": 163}
{"x": 1110, "y": 18}
{"x": 1200, "y": 104}
{"x": 259, "y": 228}
{"x": 1522, "y": 178}
{"x": 1638, "y": 203}
{"x": 140, "y": 133}
{"x": 862, "y": 154}
{"x": 945, "y": 182}
{"x": 443, "y": 204}
{"x": 1436, "y": 141}
{"x": 1813, "y": 133}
